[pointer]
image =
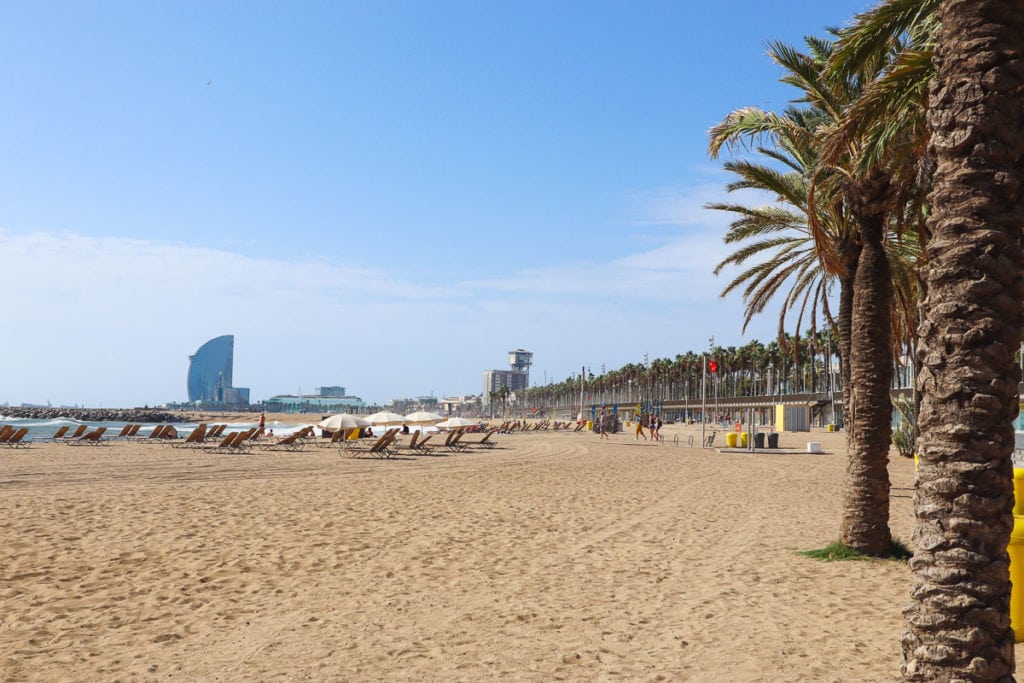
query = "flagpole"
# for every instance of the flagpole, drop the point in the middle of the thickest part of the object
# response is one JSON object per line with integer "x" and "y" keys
{"x": 583, "y": 377}
{"x": 703, "y": 396}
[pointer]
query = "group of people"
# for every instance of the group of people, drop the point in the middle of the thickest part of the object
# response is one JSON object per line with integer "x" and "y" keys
{"x": 650, "y": 422}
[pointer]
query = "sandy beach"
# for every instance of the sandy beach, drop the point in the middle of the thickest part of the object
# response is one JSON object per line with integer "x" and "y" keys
{"x": 553, "y": 556}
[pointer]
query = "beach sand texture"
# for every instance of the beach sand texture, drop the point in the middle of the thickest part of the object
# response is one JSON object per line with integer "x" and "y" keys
{"x": 555, "y": 555}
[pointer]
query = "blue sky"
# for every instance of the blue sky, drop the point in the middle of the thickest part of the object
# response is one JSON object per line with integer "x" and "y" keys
{"x": 383, "y": 195}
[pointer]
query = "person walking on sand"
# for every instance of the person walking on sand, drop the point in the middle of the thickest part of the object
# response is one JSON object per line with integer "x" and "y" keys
{"x": 639, "y": 428}
{"x": 602, "y": 428}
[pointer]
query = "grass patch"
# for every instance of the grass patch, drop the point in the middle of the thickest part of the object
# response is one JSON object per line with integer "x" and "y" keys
{"x": 837, "y": 552}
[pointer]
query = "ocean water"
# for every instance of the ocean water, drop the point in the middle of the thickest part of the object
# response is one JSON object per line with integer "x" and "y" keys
{"x": 43, "y": 430}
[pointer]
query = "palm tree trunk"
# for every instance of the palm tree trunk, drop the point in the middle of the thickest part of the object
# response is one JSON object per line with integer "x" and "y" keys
{"x": 849, "y": 255}
{"x": 865, "y": 523}
{"x": 957, "y": 624}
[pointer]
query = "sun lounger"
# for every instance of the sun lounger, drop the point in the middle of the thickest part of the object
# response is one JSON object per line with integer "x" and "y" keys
{"x": 79, "y": 431}
{"x": 6, "y": 432}
{"x": 59, "y": 433}
{"x": 93, "y": 438}
{"x": 379, "y": 448}
{"x": 224, "y": 444}
{"x": 215, "y": 432}
{"x": 193, "y": 440}
{"x": 336, "y": 438}
{"x": 153, "y": 435}
{"x": 123, "y": 434}
{"x": 423, "y": 445}
{"x": 16, "y": 439}
{"x": 293, "y": 442}
{"x": 455, "y": 445}
{"x": 234, "y": 442}
{"x": 486, "y": 442}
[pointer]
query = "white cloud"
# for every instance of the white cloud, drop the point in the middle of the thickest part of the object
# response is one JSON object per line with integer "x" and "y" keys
{"x": 112, "y": 321}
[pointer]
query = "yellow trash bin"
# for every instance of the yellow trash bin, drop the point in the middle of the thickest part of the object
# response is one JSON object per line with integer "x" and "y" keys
{"x": 1016, "y": 552}
{"x": 1018, "y": 491}
{"x": 744, "y": 439}
{"x": 590, "y": 425}
{"x": 730, "y": 439}
{"x": 830, "y": 427}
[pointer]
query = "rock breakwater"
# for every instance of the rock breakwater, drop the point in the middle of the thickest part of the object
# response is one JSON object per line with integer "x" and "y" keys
{"x": 93, "y": 414}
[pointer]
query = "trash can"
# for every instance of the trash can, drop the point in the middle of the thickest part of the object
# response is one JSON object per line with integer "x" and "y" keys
{"x": 1018, "y": 491}
{"x": 745, "y": 439}
{"x": 830, "y": 427}
{"x": 758, "y": 439}
{"x": 1016, "y": 552}
{"x": 730, "y": 439}
{"x": 590, "y": 425}
{"x": 773, "y": 440}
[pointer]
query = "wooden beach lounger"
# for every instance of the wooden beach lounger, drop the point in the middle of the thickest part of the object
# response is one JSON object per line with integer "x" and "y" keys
{"x": 59, "y": 433}
{"x": 223, "y": 445}
{"x": 486, "y": 442}
{"x": 194, "y": 440}
{"x": 215, "y": 432}
{"x": 234, "y": 442}
{"x": 293, "y": 442}
{"x": 336, "y": 438}
{"x": 379, "y": 448}
{"x": 93, "y": 438}
{"x": 6, "y": 432}
{"x": 423, "y": 445}
{"x": 79, "y": 430}
{"x": 16, "y": 439}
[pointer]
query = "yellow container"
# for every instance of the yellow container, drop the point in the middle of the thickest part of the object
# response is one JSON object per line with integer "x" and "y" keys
{"x": 730, "y": 439}
{"x": 590, "y": 425}
{"x": 1018, "y": 491}
{"x": 745, "y": 439}
{"x": 1016, "y": 552}
{"x": 830, "y": 427}
{"x": 353, "y": 434}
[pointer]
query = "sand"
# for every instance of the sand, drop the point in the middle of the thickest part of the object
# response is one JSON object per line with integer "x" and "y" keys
{"x": 553, "y": 556}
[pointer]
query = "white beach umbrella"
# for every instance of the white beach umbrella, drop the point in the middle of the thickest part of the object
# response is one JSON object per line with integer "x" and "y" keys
{"x": 456, "y": 422}
{"x": 342, "y": 421}
{"x": 422, "y": 417}
{"x": 385, "y": 417}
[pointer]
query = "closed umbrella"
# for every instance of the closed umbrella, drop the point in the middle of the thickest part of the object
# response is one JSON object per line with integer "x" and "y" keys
{"x": 385, "y": 417}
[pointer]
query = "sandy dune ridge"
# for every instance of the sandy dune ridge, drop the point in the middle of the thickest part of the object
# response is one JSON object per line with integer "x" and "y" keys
{"x": 555, "y": 555}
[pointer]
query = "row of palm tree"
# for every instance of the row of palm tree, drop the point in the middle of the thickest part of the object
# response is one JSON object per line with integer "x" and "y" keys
{"x": 787, "y": 365}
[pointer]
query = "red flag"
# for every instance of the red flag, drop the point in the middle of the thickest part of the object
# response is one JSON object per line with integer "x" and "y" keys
{"x": 713, "y": 366}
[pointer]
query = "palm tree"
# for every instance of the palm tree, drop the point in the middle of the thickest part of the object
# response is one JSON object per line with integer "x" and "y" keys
{"x": 828, "y": 196}
{"x": 957, "y": 624}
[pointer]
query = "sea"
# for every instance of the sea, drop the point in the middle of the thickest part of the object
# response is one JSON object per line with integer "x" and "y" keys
{"x": 43, "y": 430}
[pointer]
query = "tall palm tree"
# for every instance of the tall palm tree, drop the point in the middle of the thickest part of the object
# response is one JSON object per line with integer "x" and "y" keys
{"x": 844, "y": 225}
{"x": 957, "y": 625}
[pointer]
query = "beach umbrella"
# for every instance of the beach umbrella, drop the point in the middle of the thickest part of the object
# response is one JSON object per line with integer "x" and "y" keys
{"x": 342, "y": 421}
{"x": 456, "y": 422}
{"x": 385, "y": 417}
{"x": 422, "y": 417}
